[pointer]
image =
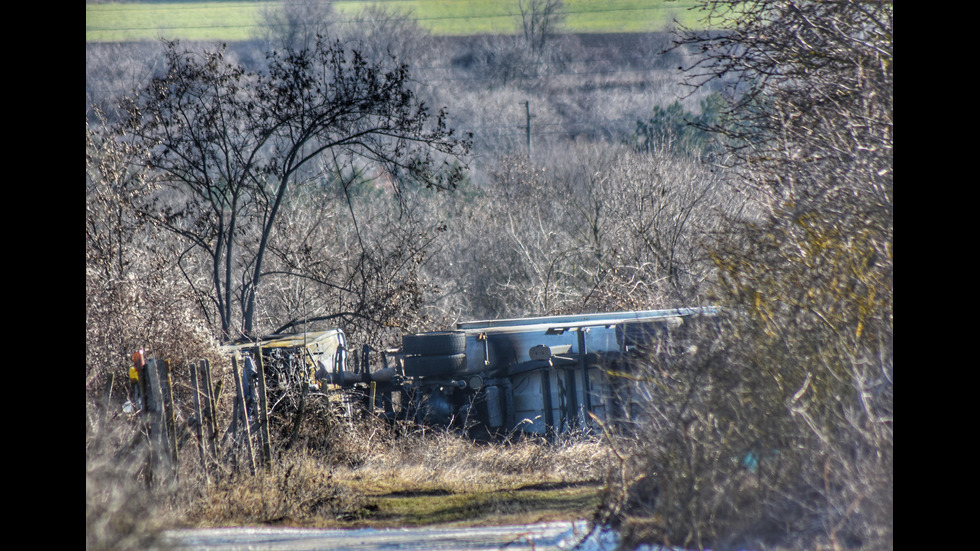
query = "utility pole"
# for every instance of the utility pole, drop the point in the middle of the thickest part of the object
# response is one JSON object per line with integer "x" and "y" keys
{"x": 527, "y": 111}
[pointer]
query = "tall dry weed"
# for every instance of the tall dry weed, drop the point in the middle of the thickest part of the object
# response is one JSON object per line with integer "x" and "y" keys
{"x": 297, "y": 491}
{"x": 409, "y": 455}
{"x": 122, "y": 511}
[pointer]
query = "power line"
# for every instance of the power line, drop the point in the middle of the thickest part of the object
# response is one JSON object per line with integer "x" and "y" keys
{"x": 173, "y": 9}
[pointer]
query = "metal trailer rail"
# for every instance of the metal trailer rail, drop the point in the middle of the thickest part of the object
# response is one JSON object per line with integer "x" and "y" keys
{"x": 541, "y": 375}
{"x": 581, "y": 320}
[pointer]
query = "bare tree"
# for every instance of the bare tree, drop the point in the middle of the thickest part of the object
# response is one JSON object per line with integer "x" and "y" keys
{"x": 228, "y": 147}
{"x": 296, "y": 24}
{"x": 540, "y": 21}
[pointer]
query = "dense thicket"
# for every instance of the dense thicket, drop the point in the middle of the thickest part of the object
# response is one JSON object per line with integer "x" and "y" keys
{"x": 778, "y": 431}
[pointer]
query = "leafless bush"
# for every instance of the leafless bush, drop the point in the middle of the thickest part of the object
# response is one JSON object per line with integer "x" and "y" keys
{"x": 135, "y": 297}
{"x": 778, "y": 431}
{"x": 701, "y": 415}
{"x": 596, "y": 228}
{"x": 741, "y": 444}
{"x": 380, "y": 30}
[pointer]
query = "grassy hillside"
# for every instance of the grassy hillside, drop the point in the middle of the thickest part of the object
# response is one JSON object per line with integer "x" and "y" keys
{"x": 231, "y": 21}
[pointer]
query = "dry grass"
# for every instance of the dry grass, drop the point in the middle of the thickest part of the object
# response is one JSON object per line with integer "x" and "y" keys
{"x": 299, "y": 491}
{"x": 450, "y": 462}
{"x": 374, "y": 474}
{"x": 339, "y": 473}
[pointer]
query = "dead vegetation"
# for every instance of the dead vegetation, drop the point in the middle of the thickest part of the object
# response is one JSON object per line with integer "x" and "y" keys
{"x": 338, "y": 472}
{"x": 415, "y": 479}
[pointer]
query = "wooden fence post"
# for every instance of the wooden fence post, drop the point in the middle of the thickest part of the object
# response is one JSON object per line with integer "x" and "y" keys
{"x": 263, "y": 413}
{"x": 145, "y": 416}
{"x": 143, "y": 372}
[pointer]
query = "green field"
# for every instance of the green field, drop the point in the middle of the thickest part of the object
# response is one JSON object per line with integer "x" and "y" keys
{"x": 232, "y": 21}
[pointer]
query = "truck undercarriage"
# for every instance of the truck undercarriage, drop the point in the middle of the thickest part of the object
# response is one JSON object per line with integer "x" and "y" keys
{"x": 545, "y": 375}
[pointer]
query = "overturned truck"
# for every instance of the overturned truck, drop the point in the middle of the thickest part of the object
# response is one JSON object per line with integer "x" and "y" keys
{"x": 542, "y": 375}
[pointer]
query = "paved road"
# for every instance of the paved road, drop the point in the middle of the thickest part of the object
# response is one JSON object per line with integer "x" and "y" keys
{"x": 539, "y": 537}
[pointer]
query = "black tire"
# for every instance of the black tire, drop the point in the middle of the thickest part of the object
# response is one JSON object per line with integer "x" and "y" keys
{"x": 430, "y": 366}
{"x": 436, "y": 343}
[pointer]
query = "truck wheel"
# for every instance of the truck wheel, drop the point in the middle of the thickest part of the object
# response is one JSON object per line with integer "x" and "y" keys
{"x": 429, "y": 366}
{"x": 436, "y": 343}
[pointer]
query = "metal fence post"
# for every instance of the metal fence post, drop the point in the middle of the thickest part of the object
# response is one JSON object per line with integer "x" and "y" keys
{"x": 263, "y": 412}
{"x": 210, "y": 406}
{"x": 241, "y": 411}
{"x": 195, "y": 382}
{"x": 159, "y": 455}
{"x": 167, "y": 391}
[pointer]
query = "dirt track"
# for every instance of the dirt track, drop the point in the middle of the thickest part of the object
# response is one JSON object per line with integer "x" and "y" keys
{"x": 543, "y": 536}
